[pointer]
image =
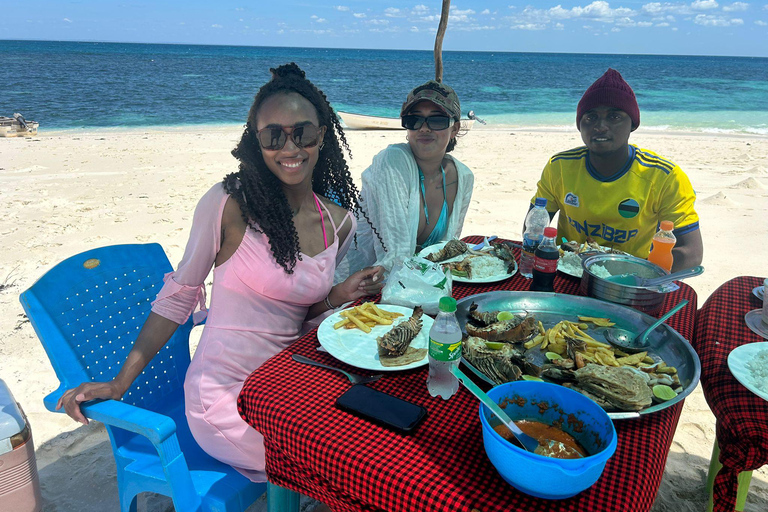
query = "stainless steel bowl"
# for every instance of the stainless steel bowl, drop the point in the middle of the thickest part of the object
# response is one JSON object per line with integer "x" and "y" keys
{"x": 641, "y": 299}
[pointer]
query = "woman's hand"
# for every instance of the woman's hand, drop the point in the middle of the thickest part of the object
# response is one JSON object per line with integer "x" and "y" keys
{"x": 368, "y": 281}
{"x": 86, "y": 391}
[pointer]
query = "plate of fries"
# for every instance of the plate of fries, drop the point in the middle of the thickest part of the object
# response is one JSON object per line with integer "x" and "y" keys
{"x": 561, "y": 317}
{"x": 350, "y": 335}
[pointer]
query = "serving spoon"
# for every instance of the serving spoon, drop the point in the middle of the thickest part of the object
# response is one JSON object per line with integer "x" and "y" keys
{"x": 546, "y": 448}
{"x": 656, "y": 283}
{"x": 630, "y": 342}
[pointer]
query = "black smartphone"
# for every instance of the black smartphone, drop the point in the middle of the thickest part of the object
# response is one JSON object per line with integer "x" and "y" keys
{"x": 382, "y": 408}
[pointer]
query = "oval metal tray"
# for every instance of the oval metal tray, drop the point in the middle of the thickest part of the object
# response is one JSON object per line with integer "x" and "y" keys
{"x": 664, "y": 342}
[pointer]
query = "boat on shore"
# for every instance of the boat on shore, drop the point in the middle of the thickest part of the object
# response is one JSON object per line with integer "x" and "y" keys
{"x": 365, "y": 122}
{"x": 17, "y": 126}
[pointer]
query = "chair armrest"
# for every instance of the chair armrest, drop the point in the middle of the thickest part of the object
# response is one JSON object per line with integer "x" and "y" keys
{"x": 154, "y": 426}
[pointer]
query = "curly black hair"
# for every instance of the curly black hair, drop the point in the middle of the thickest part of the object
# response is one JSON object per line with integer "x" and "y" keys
{"x": 259, "y": 193}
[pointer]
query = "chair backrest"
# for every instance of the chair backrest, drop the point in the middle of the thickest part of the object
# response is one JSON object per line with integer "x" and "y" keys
{"x": 89, "y": 309}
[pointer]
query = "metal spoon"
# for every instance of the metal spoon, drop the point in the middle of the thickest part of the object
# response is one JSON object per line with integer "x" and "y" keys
{"x": 628, "y": 341}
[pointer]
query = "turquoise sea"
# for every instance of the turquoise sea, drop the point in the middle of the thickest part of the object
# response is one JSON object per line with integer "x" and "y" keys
{"x": 71, "y": 85}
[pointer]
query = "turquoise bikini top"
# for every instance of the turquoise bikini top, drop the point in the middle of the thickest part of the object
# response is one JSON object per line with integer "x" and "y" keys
{"x": 441, "y": 226}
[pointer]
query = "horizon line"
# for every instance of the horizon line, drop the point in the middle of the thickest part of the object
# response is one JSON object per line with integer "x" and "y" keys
{"x": 379, "y": 49}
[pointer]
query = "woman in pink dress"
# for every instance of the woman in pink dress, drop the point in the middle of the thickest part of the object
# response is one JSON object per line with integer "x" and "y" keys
{"x": 274, "y": 240}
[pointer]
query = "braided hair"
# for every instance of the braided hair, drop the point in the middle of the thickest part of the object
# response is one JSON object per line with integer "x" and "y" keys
{"x": 259, "y": 193}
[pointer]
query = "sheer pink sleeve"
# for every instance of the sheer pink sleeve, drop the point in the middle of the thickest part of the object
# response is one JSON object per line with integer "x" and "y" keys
{"x": 184, "y": 290}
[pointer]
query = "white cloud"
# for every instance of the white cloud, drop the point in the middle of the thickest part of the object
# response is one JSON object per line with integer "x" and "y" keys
{"x": 486, "y": 11}
{"x": 596, "y": 11}
{"x": 704, "y": 5}
{"x": 761, "y": 23}
{"x": 615, "y": 29}
{"x": 342, "y": 8}
{"x": 392, "y": 12}
{"x": 644, "y": 24}
{"x": 529, "y": 26}
{"x": 375, "y": 21}
{"x": 559, "y": 26}
{"x": 318, "y": 19}
{"x": 216, "y": 25}
{"x": 414, "y": 29}
{"x": 359, "y": 15}
{"x": 67, "y": 20}
{"x": 663, "y": 24}
{"x": 709, "y": 20}
{"x": 420, "y": 9}
{"x": 736, "y": 6}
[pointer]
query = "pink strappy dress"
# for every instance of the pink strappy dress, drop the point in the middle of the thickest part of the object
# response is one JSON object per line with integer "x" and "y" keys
{"x": 256, "y": 311}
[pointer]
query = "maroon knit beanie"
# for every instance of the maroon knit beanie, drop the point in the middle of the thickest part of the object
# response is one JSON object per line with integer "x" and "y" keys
{"x": 610, "y": 90}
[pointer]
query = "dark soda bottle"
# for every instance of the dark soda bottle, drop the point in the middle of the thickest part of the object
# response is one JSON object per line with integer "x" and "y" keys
{"x": 545, "y": 262}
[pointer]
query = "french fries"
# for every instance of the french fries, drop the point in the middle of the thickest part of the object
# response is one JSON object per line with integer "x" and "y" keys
{"x": 364, "y": 317}
{"x": 555, "y": 339}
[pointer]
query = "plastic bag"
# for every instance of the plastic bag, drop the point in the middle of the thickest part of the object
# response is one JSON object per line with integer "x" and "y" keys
{"x": 417, "y": 282}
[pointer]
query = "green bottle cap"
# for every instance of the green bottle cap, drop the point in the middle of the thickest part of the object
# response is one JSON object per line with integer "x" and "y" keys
{"x": 447, "y": 304}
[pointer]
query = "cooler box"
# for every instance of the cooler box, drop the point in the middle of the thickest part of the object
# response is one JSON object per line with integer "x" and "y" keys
{"x": 19, "y": 483}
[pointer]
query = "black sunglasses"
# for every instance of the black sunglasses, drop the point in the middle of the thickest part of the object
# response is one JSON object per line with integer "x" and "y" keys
{"x": 273, "y": 138}
{"x": 436, "y": 123}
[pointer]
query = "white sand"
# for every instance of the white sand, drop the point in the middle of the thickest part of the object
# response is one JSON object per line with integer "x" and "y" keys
{"x": 66, "y": 192}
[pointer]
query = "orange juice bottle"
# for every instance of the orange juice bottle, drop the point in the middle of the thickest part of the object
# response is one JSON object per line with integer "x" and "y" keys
{"x": 663, "y": 242}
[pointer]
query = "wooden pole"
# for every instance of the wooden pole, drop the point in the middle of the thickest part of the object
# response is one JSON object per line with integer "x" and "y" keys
{"x": 439, "y": 40}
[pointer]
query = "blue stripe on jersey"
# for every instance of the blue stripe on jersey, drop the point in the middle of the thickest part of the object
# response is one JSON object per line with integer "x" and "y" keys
{"x": 657, "y": 163}
{"x": 686, "y": 229}
{"x": 572, "y": 154}
{"x": 657, "y": 157}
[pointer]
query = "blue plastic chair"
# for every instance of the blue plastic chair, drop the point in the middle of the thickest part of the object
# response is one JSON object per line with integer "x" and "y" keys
{"x": 87, "y": 311}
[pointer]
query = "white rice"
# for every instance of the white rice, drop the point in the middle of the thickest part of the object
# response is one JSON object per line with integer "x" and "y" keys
{"x": 758, "y": 368}
{"x": 600, "y": 271}
{"x": 487, "y": 266}
{"x": 570, "y": 263}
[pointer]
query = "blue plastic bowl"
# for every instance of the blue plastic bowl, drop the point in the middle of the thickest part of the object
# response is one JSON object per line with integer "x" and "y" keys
{"x": 540, "y": 476}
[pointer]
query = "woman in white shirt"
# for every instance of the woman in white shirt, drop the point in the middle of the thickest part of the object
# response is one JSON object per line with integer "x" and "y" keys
{"x": 414, "y": 193}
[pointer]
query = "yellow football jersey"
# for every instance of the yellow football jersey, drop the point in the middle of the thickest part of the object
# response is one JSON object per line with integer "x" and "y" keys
{"x": 623, "y": 211}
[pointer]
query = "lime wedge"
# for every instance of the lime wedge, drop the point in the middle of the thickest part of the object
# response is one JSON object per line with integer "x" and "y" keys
{"x": 553, "y": 356}
{"x": 503, "y": 316}
{"x": 531, "y": 377}
{"x": 663, "y": 392}
{"x": 494, "y": 345}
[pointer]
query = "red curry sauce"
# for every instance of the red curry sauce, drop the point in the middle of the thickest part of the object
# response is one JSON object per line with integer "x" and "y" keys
{"x": 543, "y": 433}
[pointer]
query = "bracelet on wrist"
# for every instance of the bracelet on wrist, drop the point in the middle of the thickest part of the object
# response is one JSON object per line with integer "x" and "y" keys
{"x": 327, "y": 302}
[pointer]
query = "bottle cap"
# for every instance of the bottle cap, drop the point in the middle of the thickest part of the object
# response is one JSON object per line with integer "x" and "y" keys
{"x": 541, "y": 201}
{"x": 447, "y": 304}
{"x": 550, "y": 232}
{"x": 667, "y": 225}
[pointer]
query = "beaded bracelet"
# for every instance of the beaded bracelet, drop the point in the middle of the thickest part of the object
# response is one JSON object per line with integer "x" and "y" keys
{"x": 327, "y": 303}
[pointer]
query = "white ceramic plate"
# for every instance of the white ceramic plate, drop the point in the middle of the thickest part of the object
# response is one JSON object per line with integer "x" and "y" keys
{"x": 737, "y": 363}
{"x": 477, "y": 280}
{"x": 758, "y": 291}
{"x": 358, "y": 348}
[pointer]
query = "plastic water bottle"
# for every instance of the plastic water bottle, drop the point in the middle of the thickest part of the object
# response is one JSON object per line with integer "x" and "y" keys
{"x": 444, "y": 350}
{"x": 663, "y": 242}
{"x": 535, "y": 222}
{"x": 545, "y": 262}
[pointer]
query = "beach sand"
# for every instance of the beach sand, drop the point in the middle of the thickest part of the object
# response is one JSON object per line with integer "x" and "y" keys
{"x": 65, "y": 192}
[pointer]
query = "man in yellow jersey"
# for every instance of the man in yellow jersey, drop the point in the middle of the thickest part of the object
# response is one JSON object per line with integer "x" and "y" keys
{"x": 613, "y": 191}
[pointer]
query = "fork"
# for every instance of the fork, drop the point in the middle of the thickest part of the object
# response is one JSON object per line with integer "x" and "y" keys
{"x": 353, "y": 377}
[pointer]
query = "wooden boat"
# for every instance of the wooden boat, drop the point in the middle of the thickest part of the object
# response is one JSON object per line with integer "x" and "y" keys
{"x": 17, "y": 126}
{"x": 364, "y": 122}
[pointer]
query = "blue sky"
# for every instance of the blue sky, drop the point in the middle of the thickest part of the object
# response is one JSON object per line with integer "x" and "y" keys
{"x": 700, "y": 27}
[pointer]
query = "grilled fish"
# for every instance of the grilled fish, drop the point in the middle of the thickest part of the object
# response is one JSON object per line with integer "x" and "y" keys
{"x": 396, "y": 341}
{"x": 451, "y": 249}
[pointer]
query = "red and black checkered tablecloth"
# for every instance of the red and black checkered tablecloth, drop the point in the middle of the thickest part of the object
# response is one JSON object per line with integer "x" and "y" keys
{"x": 742, "y": 416}
{"x": 353, "y": 465}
